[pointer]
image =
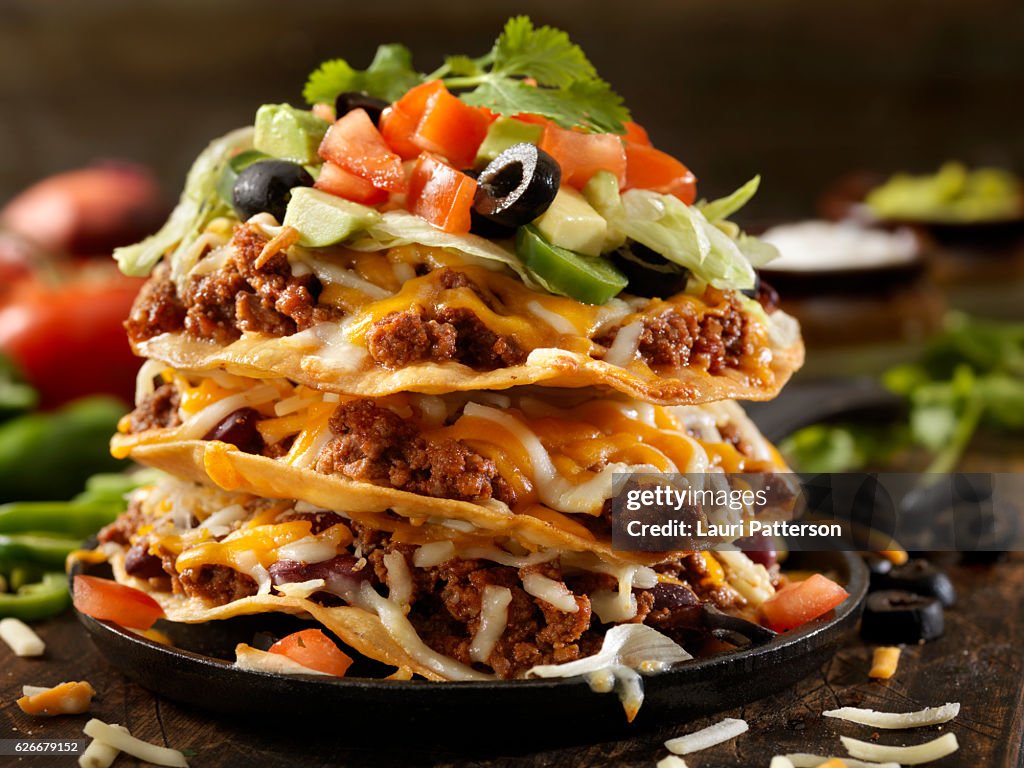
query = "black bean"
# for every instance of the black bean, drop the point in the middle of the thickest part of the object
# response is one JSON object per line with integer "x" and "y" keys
{"x": 239, "y": 429}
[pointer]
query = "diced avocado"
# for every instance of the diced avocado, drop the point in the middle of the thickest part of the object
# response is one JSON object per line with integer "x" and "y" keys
{"x": 503, "y": 133}
{"x": 593, "y": 280}
{"x": 289, "y": 133}
{"x": 235, "y": 165}
{"x": 571, "y": 223}
{"x": 322, "y": 219}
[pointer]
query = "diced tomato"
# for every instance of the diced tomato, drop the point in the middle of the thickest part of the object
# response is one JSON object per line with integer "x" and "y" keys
{"x": 451, "y": 128}
{"x": 336, "y": 180}
{"x": 312, "y": 648}
{"x": 355, "y": 144}
{"x": 441, "y": 195}
{"x": 799, "y": 603}
{"x": 399, "y": 122}
{"x": 109, "y": 601}
{"x": 650, "y": 168}
{"x": 526, "y": 117}
{"x": 636, "y": 133}
{"x": 581, "y": 155}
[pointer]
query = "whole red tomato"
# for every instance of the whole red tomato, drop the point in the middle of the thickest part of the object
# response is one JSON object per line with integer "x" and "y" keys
{"x": 69, "y": 339}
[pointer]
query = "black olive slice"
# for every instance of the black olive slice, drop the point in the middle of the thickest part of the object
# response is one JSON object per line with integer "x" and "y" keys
{"x": 517, "y": 186}
{"x": 891, "y": 616}
{"x": 650, "y": 274}
{"x": 267, "y": 186}
{"x": 350, "y": 100}
{"x": 921, "y": 578}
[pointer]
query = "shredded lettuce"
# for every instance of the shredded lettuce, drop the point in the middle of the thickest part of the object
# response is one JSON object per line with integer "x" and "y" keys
{"x": 680, "y": 233}
{"x": 198, "y": 204}
{"x": 724, "y": 207}
{"x": 397, "y": 228}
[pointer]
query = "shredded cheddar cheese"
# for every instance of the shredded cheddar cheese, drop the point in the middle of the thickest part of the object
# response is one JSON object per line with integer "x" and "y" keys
{"x": 64, "y": 699}
{"x": 884, "y": 663}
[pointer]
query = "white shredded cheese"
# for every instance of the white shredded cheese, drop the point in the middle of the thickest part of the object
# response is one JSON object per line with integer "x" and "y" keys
{"x": 627, "y": 340}
{"x": 99, "y": 754}
{"x": 308, "y": 549}
{"x": 494, "y": 602}
{"x": 550, "y": 591}
{"x": 433, "y": 554}
{"x": 804, "y": 760}
{"x": 254, "y": 660}
{"x": 927, "y": 716}
{"x": 672, "y": 761}
{"x": 719, "y": 733}
{"x": 748, "y": 578}
{"x": 292, "y": 404}
{"x": 501, "y": 557}
{"x": 781, "y": 761}
{"x": 301, "y": 589}
{"x": 121, "y": 739}
{"x": 148, "y": 371}
{"x": 220, "y": 522}
{"x": 912, "y": 755}
{"x": 559, "y": 323}
{"x": 399, "y": 578}
{"x": 33, "y": 690}
{"x": 403, "y": 271}
{"x": 398, "y": 626}
{"x": 20, "y": 637}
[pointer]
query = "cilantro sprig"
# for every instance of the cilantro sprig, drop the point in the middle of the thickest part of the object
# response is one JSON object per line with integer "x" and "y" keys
{"x": 536, "y": 70}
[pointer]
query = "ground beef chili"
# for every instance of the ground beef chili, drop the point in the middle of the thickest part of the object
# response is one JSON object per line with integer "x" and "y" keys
{"x": 158, "y": 410}
{"x": 157, "y": 309}
{"x": 421, "y": 335}
{"x": 216, "y": 584}
{"x": 238, "y": 297}
{"x": 675, "y": 338}
{"x": 376, "y": 445}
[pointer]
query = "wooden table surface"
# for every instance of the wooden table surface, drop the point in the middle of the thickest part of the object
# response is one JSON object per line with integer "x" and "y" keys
{"x": 979, "y": 663}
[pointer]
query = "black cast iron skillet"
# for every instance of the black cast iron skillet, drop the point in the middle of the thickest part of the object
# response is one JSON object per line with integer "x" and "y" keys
{"x": 197, "y": 671}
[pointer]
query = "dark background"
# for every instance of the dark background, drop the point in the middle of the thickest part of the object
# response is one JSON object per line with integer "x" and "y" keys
{"x": 798, "y": 90}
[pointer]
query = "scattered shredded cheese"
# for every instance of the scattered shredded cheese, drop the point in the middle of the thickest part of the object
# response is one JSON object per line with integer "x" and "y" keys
{"x": 706, "y": 737}
{"x": 64, "y": 699}
{"x": 20, "y": 637}
{"x": 623, "y": 349}
{"x": 100, "y": 755}
{"x": 672, "y": 761}
{"x": 884, "y": 662}
{"x": 121, "y": 739}
{"x": 923, "y": 717}
{"x": 719, "y": 733}
{"x": 835, "y": 762}
{"x": 781, "y": 761}
{"x": 32, "y": 690}
{"x": 912, "y": 755}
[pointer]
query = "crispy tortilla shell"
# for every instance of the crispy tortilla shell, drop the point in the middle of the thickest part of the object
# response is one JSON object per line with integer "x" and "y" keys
{"x": 304, "y": 359}
{"x": 357, "y": 628}
{"x": 225, "y": 466}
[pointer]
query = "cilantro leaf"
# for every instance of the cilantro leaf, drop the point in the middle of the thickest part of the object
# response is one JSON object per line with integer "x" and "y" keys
{"x": 463, "y": 66}
{"x": 585, "y": 104}
{"x": 328, "y": 80}
{"x": 389, "y": 75}
{"x": 545, "y": 54}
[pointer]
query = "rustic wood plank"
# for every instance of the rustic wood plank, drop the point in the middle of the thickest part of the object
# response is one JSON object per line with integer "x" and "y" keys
{"x": 980, "y": 663}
